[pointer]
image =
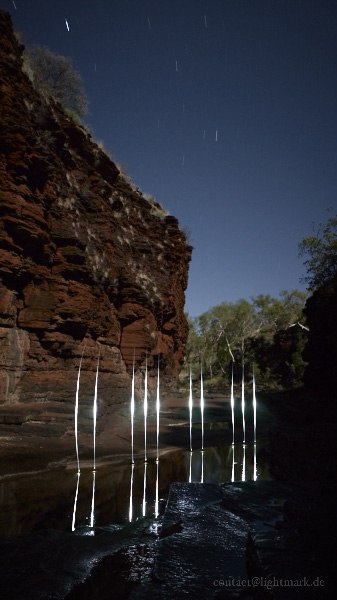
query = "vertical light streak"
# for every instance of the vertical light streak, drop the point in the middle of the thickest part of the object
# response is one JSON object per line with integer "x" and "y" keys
{"x": 158, "y": 409}
{"x": 95, "y": 407}
{"x": 254, "y": 405}
{"x": 75, "y": 502}
{"x": 232, "y": 400}
{"x": 156, "y": 505}
{"x": 190, "y": 405}
{"x": 132, "y": 406}
{"x": 202, "y": 467}
{"x": 244, "y": 463}
{"x": 190, "y": 473}
{"x": 202, "y": 406}
{"x": 145, "y": 410}
{"x": 76, "y": 411}
{"x": 243, "y": 403}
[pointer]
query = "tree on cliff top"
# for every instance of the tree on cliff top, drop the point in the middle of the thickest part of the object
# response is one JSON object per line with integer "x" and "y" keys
{"x": 322, "y": 252}
{"x": 55, "y": 75}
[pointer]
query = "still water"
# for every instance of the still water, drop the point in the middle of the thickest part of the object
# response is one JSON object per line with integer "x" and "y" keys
{"x": 117, "y": 492}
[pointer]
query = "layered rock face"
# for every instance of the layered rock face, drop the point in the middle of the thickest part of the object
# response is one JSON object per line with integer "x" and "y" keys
{"x": 321, "y": 349}
{"x": 88, "y": 265}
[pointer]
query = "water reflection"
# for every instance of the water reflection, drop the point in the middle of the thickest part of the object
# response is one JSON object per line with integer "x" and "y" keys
{"x": 233, "y": 464}
{"x": 243, "y": 478}
{"x": 144, "y": 490}
{"x": 131, "y": 490}
{"x": 255, "y": 467}
{"x": 75, "y": 502}
{"x": 92, "y": 514}
{"x": 60, "y": 498}
{"x": 92, "y": 509}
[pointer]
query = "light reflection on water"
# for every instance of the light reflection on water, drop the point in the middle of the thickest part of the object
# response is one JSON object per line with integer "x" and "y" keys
{"x": 63, "y": 499}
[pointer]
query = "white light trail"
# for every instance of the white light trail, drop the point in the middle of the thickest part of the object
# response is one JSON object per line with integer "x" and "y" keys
{"x": 255, "y": 467}
{"x": 67, "y": 25}
{"x": 244, "y": 463}
{"x": 92, "y": 514}
{"x": 243, "y": 403}
{"x": 95, "y": 407}
{"x": 76, "y": 411}
{"x": 156, "y": 505}
{"x": 190, "y": 405}
{"x": 158, "y": 410}
{"x": 144, "y": 490}
{"x": 132, "y": 405}
{"x": 202, "y": 406}
{"x": 233, "y": 465}
{"x": 75, "y": 502}
{"x": 254, "y": 405}
{"x": 232, "y": 401}
{"x": 145, "y": 410}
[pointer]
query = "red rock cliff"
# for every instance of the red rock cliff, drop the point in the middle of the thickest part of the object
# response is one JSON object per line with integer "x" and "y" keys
{"x": 86, "y": 261}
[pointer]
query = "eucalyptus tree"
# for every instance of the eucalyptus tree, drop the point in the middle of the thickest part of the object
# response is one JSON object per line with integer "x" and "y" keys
{"x": 321, "y": 251}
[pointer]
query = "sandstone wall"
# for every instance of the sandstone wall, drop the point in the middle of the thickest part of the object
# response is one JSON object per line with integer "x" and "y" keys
{"x": 87, "y": 263}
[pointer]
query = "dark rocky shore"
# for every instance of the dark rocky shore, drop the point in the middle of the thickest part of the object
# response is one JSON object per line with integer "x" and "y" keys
{"x": 213, "y": 539}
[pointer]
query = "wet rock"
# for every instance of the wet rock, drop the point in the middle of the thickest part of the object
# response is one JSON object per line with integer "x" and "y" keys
{"x": 256, "y": 540}
{"x": 53, "y": 565}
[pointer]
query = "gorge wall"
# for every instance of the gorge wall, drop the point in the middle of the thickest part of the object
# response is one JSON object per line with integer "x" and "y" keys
{"x": 87, "y": 263}
{"x": 321, "y": 349}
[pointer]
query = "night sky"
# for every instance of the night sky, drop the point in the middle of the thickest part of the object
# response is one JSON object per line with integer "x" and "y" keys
{"x": 224, "y": 110}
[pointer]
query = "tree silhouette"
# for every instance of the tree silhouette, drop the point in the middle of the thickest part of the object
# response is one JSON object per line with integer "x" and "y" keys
{"x": 322, "y": 252}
